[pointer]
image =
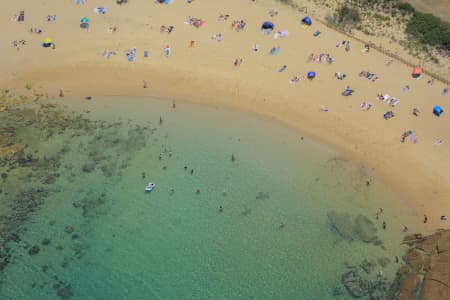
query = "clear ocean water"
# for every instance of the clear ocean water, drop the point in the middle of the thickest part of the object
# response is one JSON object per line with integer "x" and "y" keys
{"x": 259, "y": 227}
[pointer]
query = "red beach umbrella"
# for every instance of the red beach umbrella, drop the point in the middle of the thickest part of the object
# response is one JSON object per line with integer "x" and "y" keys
{"x": 417, "y": 70}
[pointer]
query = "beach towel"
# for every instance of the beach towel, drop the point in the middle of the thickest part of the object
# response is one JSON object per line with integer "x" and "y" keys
{"x": 100, "y": 10}
{"x": 79, "y": 2}
{"x": 281, "y": 34}
{"x": 274, "y": 51}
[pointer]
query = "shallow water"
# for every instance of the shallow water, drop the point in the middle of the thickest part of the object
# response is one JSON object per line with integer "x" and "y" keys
{"x": 272, "y": 239}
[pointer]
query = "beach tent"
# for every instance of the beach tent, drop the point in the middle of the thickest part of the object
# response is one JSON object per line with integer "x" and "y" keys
{"x": 267, "y": 27}
{"x": 47, "y": 42}
{"x": 311, "y": 74}
{"x": 416, "y": 72}
{"x": 165, "y": 1}
{"x": 84, "y": 20}
{"x": 84, "y": 25}
{"x": 438, "y": 111}
{"x": 307, "y": 21}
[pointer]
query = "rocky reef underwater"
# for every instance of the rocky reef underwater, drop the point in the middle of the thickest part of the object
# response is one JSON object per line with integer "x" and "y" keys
{"x": 40, "y": 145}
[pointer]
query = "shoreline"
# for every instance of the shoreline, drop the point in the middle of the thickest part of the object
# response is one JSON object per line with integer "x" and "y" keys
{"x": 338, "y": 143}
{"x": 205, "y": 76}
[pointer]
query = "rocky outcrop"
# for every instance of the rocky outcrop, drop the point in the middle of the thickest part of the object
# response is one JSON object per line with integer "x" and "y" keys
{"x": 428, "y": 258}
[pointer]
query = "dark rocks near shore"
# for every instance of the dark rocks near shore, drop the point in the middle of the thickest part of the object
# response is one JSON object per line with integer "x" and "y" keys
{"x": 363, "y": 280}
{"x": 425, "y": 273}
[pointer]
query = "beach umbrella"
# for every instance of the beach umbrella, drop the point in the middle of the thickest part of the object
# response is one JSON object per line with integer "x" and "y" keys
{"x": 268, "y": 25}
{"x": 311, "y": 74}
{"x": 84, "y": 20}
{"x": 416, "y": 72}
{"x": 438, "y": 111}
{"x": 307, "y": 21}
{"x": 47, "y": 42}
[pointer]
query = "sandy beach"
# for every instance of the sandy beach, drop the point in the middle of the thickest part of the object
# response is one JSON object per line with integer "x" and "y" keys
{"x": 203, "y": 72}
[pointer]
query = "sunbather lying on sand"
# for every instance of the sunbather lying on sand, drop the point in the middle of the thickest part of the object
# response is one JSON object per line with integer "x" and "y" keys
{"x": 366, "y": 105}
{"x": 295, "y": 80}
{"x": 223, "y": 17}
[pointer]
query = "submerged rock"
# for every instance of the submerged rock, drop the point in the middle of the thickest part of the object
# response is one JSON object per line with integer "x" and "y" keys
{"x": 64, "y": 291}
{"x": 360, "y": 228}
{"x": 342, "y": 224}
{"x": 88, "y": 167}
{"x": 34, "y": 250}
{"x": 365, "y": 229}
{"x": 353, "y": 283}
{"x": 68, "y": 229}
{"x": 45, "y": 242}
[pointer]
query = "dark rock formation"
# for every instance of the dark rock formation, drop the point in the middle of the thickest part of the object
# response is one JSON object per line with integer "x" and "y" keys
{"x": 363, "y": 281}
{"x": 429, "y": 257}
{"x": 353, "y": 283}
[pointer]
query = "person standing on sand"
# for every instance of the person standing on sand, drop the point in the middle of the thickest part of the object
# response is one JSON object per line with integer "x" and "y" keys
{"x": 61, "y": 93}
{"x": 145, "y": 84}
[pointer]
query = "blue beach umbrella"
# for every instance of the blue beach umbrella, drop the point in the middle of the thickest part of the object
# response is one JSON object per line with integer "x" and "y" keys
{"x": 268, "y": 25}
{"x": 84, "y": 20}
{"x": 438, "y": 111}
{"x": 307, "y": 21}
{"x": 311, "y": 74}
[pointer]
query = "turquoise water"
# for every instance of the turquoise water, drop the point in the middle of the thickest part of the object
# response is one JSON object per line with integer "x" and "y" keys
{"x": 258, "y": 228}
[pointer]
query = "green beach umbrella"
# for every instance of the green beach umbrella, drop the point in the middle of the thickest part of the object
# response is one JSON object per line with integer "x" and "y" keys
{"x": 84, "y": 20}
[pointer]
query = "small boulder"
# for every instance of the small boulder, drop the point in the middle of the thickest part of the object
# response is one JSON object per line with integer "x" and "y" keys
{"x": 45, "y": 242}
{"x": 34, "y": 250}
{"x": 68, "y": 229}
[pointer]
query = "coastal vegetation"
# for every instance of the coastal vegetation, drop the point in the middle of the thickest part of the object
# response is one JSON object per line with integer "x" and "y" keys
{"x": 430, "y": 30}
